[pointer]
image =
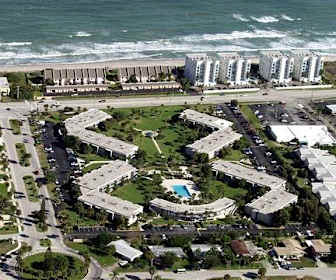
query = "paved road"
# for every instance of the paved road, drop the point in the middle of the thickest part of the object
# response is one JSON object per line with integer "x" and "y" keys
{"x": 320, "y": 273}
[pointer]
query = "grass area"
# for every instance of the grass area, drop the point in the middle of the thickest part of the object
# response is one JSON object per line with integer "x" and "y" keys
{"x": 52, "y": 191}
{"x": 304, "y": 262}
{"x": 6, "y": 246}
{"x": 130, "y": 192}
{"x": 91, "y": 157}
{"x": 45, "y": 242}
{"x": 172, "y": 138}
{"x": 3, "y": 177}
{"x": 9, "y": 229}
{"x": 24, "y": 157}
{"x": 42, "y": 157}
{"x": 251, "y": 117}
{"x": 15, "y": 126}
{"x": 234, "y": 155}
{"x": 91, "y": 167}
{"x": 71, "y": 218}
{"x": 41, "y": 227}
{"x": 33, "y": 267}
{"x": 221, "y": 189}
{"x": 3, "y": 190}
{"x": 31, "y": 188}
{"x": 104, "y": 260}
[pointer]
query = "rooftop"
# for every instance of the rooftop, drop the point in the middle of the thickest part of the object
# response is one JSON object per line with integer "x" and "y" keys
{"x": 249, "y": 174}
{"x": 125, "y": 250}
{"x": 215, "y": 206}
{"x": 86, "y": 119}
{"x": 107, "y": 174}
{"x": 215, "y": 141}
{"x": 291, "y": 247}
{"x": 272, "y": 201}
{"x": 321, "y": 161}
{"x": 310, "y": 134}
{"x": 161, "y": 250}
{"x": 327, "y": 193}
{"x": 205, "y": 119}
{"x": 4, "y": 82}
{"x": 319, "y": 245}
{"x": 111, "y": 203}
{"x": 203, "y": 248}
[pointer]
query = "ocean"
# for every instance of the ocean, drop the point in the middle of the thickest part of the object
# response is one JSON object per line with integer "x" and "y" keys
{"x": 39, "y": 31}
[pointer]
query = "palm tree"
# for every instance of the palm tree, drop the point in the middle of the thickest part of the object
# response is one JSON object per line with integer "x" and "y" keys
{"x": 152, "y": 271}
{"x": 115, "y": 275}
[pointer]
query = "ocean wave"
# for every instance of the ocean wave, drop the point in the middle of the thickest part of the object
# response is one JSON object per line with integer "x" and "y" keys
{"x": 265, "y": 19}
{"x": 288, "y": 18}
{"x": 16, "y": 44}
{"x": 240, "y": 17}
{"x": 81, "y": 34}
{"x": 256, "y": 33}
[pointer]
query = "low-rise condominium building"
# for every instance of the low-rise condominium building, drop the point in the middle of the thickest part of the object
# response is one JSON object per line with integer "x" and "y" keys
{"x": 217, "y": 209}
{"x": 263, "y": 208}
{"x": 307, "y": 66}
{"x": 234, "y": 69}
{"x": 250, "y": 175}
{"x": 126, "y": 251}
{"x": 77, "y": 126}
{"x": 201, "y": 69}
{"x": 277, "y": 67}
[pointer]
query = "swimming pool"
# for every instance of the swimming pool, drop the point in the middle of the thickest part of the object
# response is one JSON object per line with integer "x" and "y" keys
{"x": 181, "y": 190}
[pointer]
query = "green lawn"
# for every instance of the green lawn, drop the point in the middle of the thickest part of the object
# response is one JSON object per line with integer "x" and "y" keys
{"x": 45, "y": 242}
{"x": 91, "y": 157}
{"x": 71, "y": 219}
{"x": 221, "y": 189}
{"x": 304, "y": 262}
{"x": 3, "y": 177}
{"x": 24, "y": 157}
{"x": 234, "y": 155}
{"x": 103, "y": 260}
{"x": 31, "y": 188}
{"x": 33, "y": 267}
{"x": 9, "y": 229}
{"x": 3, "y": 190}
{"x": 42, "y": 157}
{"x": 91, "y": 167}
{"x": 6, "y": 246}
{"x": 251, "y": 117}
{"x": 130, "y": 192}
{"x": 15, "y": 126}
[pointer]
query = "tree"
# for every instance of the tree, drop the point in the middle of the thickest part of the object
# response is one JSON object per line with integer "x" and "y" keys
{"x": 168, "y": 259}
{"x": 132, "y": 79}
{"x": 227, "y": 277}
{"x": 152, "y": 271}
{"x": 262, "y": 272}
{"x": 280, "y": 218}
{"x": 115, "y": 275}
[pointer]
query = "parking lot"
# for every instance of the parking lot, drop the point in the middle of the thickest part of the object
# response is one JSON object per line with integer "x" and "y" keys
{"x": 257, "y": 152}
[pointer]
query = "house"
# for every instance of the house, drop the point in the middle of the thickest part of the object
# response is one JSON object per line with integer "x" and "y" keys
{"x": 244, "y": 248}
{"x": 318, "y": 248}
{"x": 4, "y": 86}
{"x": 291, "y": 249}
{"x": 159, "y": 251}
{"x": 125, "y": 251}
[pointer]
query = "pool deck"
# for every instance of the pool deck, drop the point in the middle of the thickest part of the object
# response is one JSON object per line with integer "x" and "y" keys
{"x": 190, "y": 185}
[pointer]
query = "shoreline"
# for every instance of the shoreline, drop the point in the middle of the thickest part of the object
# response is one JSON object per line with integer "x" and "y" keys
{"x": 114, "y": 64}
{"x": 99, "y": 64}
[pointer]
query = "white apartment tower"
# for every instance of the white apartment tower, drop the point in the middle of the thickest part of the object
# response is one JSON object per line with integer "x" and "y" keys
{"x": 276, "y": 67}
{"x": 234, "y": 69}
{"x": 201, "y": 70}
{"x": 307, "y": 66}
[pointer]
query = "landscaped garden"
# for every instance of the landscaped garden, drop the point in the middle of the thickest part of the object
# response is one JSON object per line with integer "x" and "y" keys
{"x": 15, "y": 126}
{"x": 6, "y": 246}
{"x": 51, "y": 265}
{"x": 24, "y": 157}
{"x": 31, "y": 188}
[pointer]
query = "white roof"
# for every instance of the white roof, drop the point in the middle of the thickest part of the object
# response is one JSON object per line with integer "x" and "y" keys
{"x": 327, "y": 194}
{"x": 205, "y": 119}
{"x": 158, "y": 250}
{"x": 249, "y": 174}
{"x": 215, "y": 141}
{"x": 125, "y": 250}
{"x": 272, "y": 201}
{"x": 109, "y": 173}
{"x": 86, "y": 119}
{"x": 203, "y": 248}
{"x": 321, "y": 162}
{"x": 331, "y": 107}
{"x": 111, "y": 204}
{"x": 4, "y": 82}
{"x": 310, "y": 134}
{"x": 216, "y": 206}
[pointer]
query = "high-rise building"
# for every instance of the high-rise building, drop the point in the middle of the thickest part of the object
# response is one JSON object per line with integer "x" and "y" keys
{"x": 234, "y": 69}
{"x": 307, "y": 66}
{"x": 201, "y": 70}
{"x": 276, "y": 67}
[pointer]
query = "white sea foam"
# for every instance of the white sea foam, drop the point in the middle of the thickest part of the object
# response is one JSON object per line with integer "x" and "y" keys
{"x": 265, "y": 19}
{"x": 240, "y": 17}
{"x": 288, "y": 18}
{"x": 81, "y": 34}
{"x": 16, "y": 44}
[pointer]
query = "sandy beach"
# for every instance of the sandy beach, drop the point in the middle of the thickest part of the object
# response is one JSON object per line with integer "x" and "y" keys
{"x": 110, "y": 64}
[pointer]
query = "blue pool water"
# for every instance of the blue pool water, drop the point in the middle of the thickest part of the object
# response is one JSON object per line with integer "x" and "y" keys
{"x": 181, "y": 190}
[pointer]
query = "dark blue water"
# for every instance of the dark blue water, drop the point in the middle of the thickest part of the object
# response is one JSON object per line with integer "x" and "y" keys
{"x": 93, "y": 30}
